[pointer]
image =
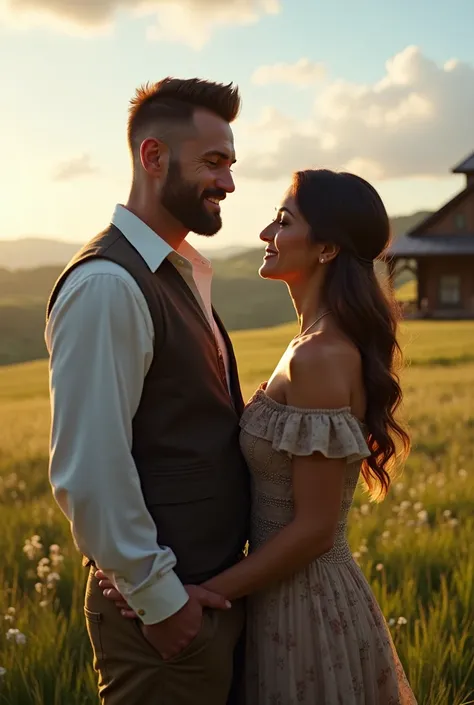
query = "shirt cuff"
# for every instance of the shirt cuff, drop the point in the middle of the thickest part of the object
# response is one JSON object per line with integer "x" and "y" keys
{"x": 159, "y": 601}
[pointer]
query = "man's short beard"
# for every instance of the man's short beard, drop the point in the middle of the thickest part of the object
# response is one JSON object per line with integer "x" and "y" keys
{"x": 182, "y": 199}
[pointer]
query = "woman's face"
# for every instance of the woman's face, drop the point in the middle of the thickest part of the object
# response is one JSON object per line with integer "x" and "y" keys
{"x": 289, "y": 256}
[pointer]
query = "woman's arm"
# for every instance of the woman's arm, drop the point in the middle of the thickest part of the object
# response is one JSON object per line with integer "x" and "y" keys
{"x": 318, "y": 482}
{"x": 318, "y": 485}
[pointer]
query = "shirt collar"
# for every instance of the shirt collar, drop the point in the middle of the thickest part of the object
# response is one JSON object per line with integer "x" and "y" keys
{"x": 150, "y": 245}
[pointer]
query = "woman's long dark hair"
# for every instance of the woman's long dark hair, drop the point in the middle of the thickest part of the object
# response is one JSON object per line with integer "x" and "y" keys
{"x": 345, "y": 210}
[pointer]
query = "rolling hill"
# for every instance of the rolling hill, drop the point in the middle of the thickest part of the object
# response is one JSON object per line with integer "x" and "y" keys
{"x": 34, "y": 252}
{"x": 243, "y": 299}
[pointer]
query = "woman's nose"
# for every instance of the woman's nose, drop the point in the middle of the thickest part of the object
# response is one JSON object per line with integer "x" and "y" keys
{"x": 268, "y": 233}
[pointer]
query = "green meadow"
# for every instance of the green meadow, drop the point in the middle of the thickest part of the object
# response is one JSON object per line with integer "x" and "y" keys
{"x": 415, "y": 547}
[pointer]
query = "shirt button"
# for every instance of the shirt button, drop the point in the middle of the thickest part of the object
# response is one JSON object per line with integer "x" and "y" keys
{"x": 141, "y": 613}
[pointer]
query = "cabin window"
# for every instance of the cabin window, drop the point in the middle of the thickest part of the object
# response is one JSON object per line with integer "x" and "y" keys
{"x": 460, "y": 221}
{"x": 450, "y": 290}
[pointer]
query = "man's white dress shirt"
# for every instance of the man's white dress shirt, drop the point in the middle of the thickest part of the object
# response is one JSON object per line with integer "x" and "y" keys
{"x": 100, "y": 338}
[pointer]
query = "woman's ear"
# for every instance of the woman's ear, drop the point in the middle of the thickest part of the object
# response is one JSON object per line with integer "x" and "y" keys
{"x": 328, "y": 253}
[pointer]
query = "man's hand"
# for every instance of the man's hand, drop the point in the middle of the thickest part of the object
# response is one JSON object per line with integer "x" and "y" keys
{"x": 172, "y": 635}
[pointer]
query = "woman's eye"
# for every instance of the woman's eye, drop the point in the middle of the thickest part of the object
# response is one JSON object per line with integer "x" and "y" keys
{"x": 214, "y": 164}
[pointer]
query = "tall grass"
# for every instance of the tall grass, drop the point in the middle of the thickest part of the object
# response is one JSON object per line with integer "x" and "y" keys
{"x": 415, "y": 548}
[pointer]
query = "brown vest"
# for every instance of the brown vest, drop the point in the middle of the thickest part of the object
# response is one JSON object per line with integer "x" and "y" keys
{"x": 186, "y": 429}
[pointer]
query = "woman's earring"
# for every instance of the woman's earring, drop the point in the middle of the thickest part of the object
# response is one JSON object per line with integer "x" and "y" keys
{"x": 322, "y": 260}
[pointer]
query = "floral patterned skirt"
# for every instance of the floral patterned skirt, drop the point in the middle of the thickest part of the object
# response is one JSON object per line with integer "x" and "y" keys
{"x": 321, "y": 639}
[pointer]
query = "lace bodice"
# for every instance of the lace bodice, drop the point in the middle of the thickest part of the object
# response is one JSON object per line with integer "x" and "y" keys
{"x": 271, "y": 433}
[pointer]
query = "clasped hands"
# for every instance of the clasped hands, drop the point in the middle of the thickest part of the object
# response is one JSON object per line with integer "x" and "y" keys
{"x": 173, "y": 634}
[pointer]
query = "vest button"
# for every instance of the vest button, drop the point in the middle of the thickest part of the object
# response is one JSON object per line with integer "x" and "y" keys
{"x": 141, "y": 613}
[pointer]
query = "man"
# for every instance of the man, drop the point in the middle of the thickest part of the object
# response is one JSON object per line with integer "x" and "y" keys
{"x": 145, "y": 459}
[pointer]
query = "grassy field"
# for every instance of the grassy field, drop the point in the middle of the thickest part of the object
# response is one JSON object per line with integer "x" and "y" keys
{"x": 415, "y": 548}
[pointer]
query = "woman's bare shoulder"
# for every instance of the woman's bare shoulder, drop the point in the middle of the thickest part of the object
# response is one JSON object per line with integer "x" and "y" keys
{"x": 322, "y": 371}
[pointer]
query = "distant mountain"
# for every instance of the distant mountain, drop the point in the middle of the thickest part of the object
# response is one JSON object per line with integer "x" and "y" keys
{"x": 403, "y": 223}
{"x": 33, "y": 252}
{"x": 243, "y": 299}
{"x": 30, "y": 252}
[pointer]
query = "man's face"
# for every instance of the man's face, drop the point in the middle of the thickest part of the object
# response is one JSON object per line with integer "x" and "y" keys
{"x": 200, "y": 175}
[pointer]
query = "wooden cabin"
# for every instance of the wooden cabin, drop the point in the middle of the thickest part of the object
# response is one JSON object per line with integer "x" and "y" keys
{"x": 439, "y": 252}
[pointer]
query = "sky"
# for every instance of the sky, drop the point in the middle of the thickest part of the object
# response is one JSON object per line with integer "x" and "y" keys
{"x": 385, "y": 90}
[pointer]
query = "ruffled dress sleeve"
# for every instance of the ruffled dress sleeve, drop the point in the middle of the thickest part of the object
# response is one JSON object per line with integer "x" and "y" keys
{"x": 336, "y": 433}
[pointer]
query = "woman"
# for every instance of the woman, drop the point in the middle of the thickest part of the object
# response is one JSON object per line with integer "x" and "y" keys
{"x": 315, "y": 632}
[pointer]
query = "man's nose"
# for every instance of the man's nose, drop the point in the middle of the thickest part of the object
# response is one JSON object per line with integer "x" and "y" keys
{"x": 226, "y": 183}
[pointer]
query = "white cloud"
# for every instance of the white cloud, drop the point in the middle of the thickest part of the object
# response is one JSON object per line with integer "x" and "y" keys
{"x": 74, "y": 168}
{"x": 188, "y": 21}
{"x": 302, "y": 73}
{"x": 416, "y": 121}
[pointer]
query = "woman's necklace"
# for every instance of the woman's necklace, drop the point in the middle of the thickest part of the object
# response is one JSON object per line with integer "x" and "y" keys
{"x": 300, "y": 335}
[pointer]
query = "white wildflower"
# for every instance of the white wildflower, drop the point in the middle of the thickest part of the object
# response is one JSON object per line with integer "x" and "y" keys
{"x": 365, "y": 509}
{"x": 54, "y": 548}
{"x": 391, "y": 622}
{"x": 405, "y": 504}
{"x": 16, "y": 635}
{"x": 11, "y": 610}
{"x": 447, "y": 513}
{"x": 2, "y": 671}
{"x": 29, "y": 550}
{"x": 379, "y": 567}
{"x": 412, "y": 492}
{"x": 462, "y": 473}
{"x": 36, "y": 542}
{"x": 39, "y": 587}
{"x": 43, "y": 603}
{"x": 53, "y": 578}
{"x": 418, "y": 506}
{"x": 356, "y": 555}
{"x": 386, "y": 534}
{"x": 453, "y": 522}
{"x": 42, "y": 571}
{"x": 401, "y": 621}
{"x": 422, "y": 516}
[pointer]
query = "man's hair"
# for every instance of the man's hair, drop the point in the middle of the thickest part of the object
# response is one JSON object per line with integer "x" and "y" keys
{"x": 172, "y": 102}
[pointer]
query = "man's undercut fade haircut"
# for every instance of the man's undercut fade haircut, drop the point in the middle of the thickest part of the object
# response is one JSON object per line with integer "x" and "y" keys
{"x": 159, "y": 107}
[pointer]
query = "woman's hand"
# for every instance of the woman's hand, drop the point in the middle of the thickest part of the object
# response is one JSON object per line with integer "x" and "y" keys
{"x": 111, "y": 593}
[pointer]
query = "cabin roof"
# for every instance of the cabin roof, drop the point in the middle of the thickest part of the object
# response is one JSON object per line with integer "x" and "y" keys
{"x": 434, "y": 217}
{"x": 466, "y": 166}
{"x": 431, "y": 245}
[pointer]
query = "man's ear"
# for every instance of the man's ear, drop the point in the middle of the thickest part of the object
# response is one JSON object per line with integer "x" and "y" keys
{"x": 154, "y": 156}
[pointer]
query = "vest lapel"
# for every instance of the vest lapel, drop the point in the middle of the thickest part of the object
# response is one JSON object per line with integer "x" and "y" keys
{"x": 233, "y": 369}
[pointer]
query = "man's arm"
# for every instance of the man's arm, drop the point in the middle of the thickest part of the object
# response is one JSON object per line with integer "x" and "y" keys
{"x": 100, "y": 340}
